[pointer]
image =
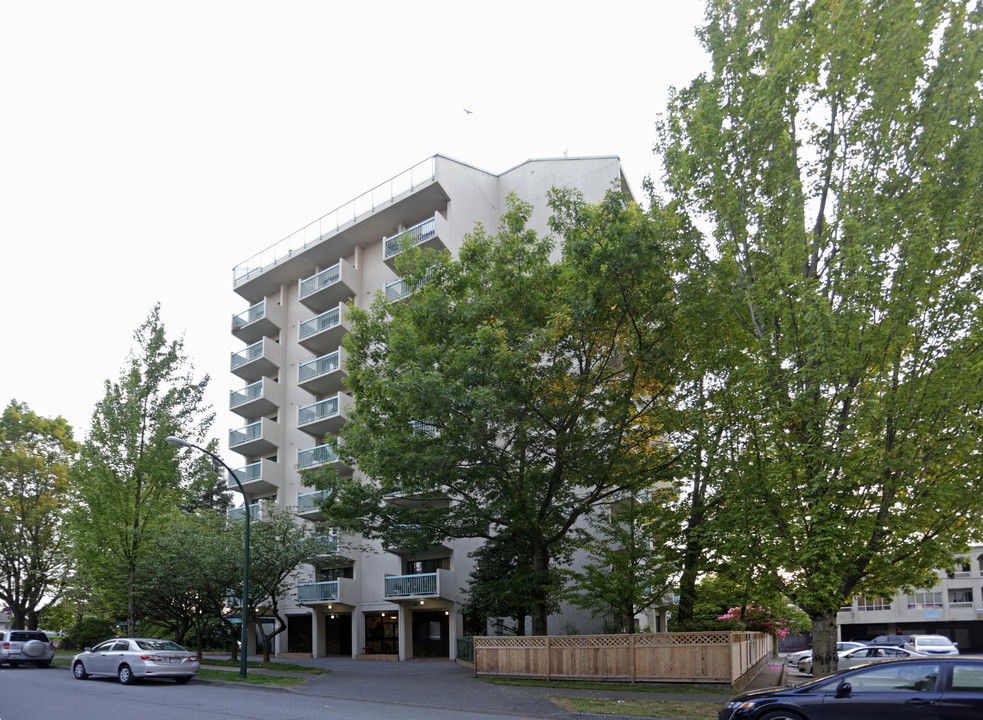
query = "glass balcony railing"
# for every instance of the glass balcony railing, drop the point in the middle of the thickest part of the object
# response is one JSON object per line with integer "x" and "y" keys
{"x": 317, "y": 411}
{"x": 322, "y": 279}
{"x": 320, "y": 322}
{"x": 245, "y": 434}
{"x": 251, "y": 315}
{"x": 239, "y": 513}
{"x": 334, "y": 220}
{"x": 247, "y": 473}
{"x": 406, "y": 585}
{"x": 317, "y": 592}
{"x": 312, "y": 457}
{"x": 410, "y": 237}
{"x": 250, "y": 392}
{"x": 247, "y": 354}
{"x": 308, "y": 502}
{"x": 320, "y": 366}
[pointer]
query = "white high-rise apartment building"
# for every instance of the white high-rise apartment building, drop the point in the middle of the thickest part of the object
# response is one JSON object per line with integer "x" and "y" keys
{"x": 364, "y": 599}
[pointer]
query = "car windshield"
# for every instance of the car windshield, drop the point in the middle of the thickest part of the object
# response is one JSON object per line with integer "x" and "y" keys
{"x": 933, "y": 641}
{"x": 158, "y": 645}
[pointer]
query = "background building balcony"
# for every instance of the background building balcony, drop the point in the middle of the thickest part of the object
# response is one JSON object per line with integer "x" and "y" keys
{"x": 323, "y": 333}
{"x": 323, "y": 375}
{"x": 259, "y": 477}
{"x": 315, "y": 457}
{"x": 263, "y": 319}
{"x": 439, "y": 584}
{"x": 325, "y": 416}
{"x": 259, "y": 438}
{"x": 343, "y": 592}
{"x": 261, "y": 359}
{"x": 256, "y": 399}
{"x": 307, "y": 505}
{"x": 330, "y": 287}
{"x": 239, "y": 513}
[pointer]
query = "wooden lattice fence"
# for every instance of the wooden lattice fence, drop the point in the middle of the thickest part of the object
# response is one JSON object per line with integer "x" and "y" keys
{"x": 699, "y": 657}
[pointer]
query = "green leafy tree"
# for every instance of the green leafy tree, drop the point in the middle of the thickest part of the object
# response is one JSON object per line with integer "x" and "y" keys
{"x": 128, "y": 482}
{"x": 197, "y": 562}
{"x": 279, "y": 545}
{"x": 835, "y": 152}
{"x": 630, "y": 564}
{"x": 35, "y": 453}
{"x": 513, "y": 396}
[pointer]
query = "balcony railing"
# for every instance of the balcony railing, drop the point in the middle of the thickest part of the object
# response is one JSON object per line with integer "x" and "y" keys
{"x": 252, "y": 431}
{"x": 312, "y": 457}
{"x": 247, "y": 473}
{"x": 317, "y": 592}
{"x": 247, "y": 355}
{"x": 410, "y": 237}
{"x": 308, "y": 502}
{"x": 317, "y": 411}
{"x": 319, "y": 323}
{"x": 334, "y": 220}
{"x": 251, "y": 315}
{"x": 326, "y": 277}
{"x": 408, "y": 585}
{"x": 250, "y": 392}
{"x": 320, "y": 366}
{"x": 239, "y": 513}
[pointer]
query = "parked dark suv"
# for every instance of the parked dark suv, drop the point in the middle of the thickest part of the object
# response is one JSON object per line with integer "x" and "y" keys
{"x": 25, "y": 646}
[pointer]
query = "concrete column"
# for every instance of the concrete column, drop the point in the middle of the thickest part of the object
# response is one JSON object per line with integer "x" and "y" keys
{"x": 454, "y": 622}
{"x": 405, "y": 633}
{"x": 358, "y": 632}
{"x": 318, "y": 642}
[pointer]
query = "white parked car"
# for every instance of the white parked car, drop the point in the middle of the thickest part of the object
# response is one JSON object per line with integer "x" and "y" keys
{"x": 131, "y": 659}
{"x": 862, "y": 655}
{"x": 795, "y": 658}
{"x": 931, "y": 645}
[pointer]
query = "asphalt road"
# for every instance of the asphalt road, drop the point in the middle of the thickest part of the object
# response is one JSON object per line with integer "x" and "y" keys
{"x": 28, "y": 693}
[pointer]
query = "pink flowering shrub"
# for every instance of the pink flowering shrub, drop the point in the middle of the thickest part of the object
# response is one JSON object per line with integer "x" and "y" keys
{"x": 759, "y": 618}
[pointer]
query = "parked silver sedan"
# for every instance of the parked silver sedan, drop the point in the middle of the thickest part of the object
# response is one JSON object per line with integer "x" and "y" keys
{"x": 131, "y": 659}
{"x": 862, "y": 655}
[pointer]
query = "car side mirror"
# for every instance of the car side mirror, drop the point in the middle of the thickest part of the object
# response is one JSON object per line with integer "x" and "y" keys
{"x": 844, "y": 690}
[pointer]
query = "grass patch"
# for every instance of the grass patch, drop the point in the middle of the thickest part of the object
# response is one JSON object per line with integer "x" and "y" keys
{"x": 616, "y": 687}
{"x": 259, "y": 665}
{"x": 230, "y": 676}
{"x": 681, "y": 709}
{"x": 62, "y": 660}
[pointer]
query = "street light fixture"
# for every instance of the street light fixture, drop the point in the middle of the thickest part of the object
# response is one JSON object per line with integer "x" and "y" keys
{"x": 244, "y": 636}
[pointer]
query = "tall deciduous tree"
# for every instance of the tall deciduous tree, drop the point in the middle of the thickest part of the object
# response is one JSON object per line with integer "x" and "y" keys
{"x": 836, "y": 152}
{"x": 512, "y": 396}
{"x": 35, "y": 454}
{"x": 128, "y": 480}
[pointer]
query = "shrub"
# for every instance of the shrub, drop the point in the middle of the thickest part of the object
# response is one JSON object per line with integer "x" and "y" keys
{"x": 86, "y": 633}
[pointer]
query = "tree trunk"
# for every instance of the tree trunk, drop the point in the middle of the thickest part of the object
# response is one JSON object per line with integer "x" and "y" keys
{"x": 540, "y": 590}
{"x": 824, "y": 657}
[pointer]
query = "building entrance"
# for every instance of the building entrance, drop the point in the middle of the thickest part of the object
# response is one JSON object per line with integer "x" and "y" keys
{"x": 338, "y": 634}
{"x": 299, "y": 633}
{"x": 430, "y": 634}
{"x": 382, "y": 633}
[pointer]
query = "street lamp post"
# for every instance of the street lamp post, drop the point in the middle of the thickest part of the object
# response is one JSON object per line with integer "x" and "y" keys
{"x": 244, "y": 635}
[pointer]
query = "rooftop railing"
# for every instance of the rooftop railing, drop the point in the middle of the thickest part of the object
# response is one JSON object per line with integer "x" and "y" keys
{"x": 334, "y": 220}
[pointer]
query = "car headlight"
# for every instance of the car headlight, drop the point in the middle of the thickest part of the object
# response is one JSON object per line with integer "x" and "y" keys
{"x": 735, "y": 704}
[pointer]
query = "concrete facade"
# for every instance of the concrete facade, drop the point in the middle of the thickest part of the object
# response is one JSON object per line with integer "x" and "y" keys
{"x": 376, "y": 601}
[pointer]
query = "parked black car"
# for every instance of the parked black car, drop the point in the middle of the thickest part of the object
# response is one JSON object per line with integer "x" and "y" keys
{"x": 939, "y": 688}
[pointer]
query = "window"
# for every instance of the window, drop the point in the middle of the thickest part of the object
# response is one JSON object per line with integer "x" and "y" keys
{"x": 895, "y": 678}
{"x": 868, "y": 604}
{"x": 962, "y": 568}
{"x": 961, "y": 597}
{"x": 922, "y": 600}
{"x": 420, "y": 567}
{"x": 967, "y": 678}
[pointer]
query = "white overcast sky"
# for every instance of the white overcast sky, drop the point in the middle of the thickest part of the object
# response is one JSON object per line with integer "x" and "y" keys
{"x": 148, "y": 147}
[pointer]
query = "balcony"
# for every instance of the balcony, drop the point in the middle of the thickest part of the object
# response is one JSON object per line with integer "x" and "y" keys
{"x": 315, "y": 457}
{"x": 261, "y": 320}
{"x": 307, "y": 505}
{"x": 400, "y": 289}
{"x": 256, "y": 399}
{"x": 343, "y": 592}
{"x": 259, "y": 477}
{"x": 324, "y": 416}
{"x": 323, "y": 333}
{"x": 324, "y": 375}
{"x": 425, "y": 234}
{"x": 239, "y": 513}
{"x": 258, "y": 438}
{"x": 261, "y": 359}
{"x": 438, "y": 584}
{"x": 330, "y": 287}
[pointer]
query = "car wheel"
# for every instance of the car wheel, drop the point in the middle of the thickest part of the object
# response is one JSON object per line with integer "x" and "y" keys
{"x": 125, "y": 675}
{"x": 780, "y": 715}
{"x": 182, "y": 680}
{"x": 78, "y": 670}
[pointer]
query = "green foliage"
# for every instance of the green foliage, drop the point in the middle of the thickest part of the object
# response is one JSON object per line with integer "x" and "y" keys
{"x": 128, "y": 481}
{"x": 510, "y": 396}
{"x": 34, "y": 456}
{"x": 836, "y": 153}
{"x": 87, "y": 632}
